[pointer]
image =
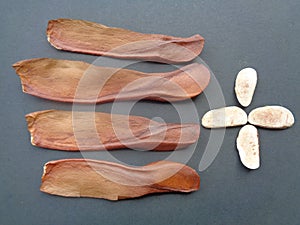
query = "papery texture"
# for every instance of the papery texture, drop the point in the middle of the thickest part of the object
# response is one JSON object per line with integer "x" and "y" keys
{"x": 74, "y": 131}
{"x": 97, "y": 39}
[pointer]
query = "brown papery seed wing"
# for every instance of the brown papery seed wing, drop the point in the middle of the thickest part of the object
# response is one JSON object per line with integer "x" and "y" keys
{"x": 100, "y": 179}
{"x": 74, "y": 131}
{"x": 97, "y": 39}
{"x": 80, "y": 82}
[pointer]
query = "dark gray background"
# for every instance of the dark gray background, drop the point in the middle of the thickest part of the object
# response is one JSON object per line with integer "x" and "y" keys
{"x": 261, "y": 34}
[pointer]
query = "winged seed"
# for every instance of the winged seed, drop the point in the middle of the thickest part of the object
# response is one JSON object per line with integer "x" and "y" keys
{"x": 77, "y": 81}
{"x": 97, "y": 39}
{"x": 112, "y": 181}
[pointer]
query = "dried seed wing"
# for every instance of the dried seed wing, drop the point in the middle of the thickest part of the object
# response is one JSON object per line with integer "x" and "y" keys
{"x": 112, "y": 181}
{"x": 80, "y": 82}
{"x": 94, "y": 38}
{"x": 81, "y": 131}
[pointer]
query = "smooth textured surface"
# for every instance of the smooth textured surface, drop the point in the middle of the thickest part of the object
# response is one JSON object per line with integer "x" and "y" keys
{"x": 230, "y": 116}
{"x": 259, "y": 34}
{"x": 245, "y": 84}
{"x": 272, "y": 117}
{"x": 247, "y": 144}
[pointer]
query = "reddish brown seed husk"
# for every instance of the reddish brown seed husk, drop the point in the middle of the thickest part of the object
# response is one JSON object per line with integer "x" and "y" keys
{"x": 74, "y": 131}
{"x": 112, "y": 181}
{"x": 80, "y": 82}
{"x": 97, "y": 39}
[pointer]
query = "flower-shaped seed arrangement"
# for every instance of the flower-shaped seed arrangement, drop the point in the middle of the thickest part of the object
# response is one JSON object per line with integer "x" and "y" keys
{"x": 272, "y": 117}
